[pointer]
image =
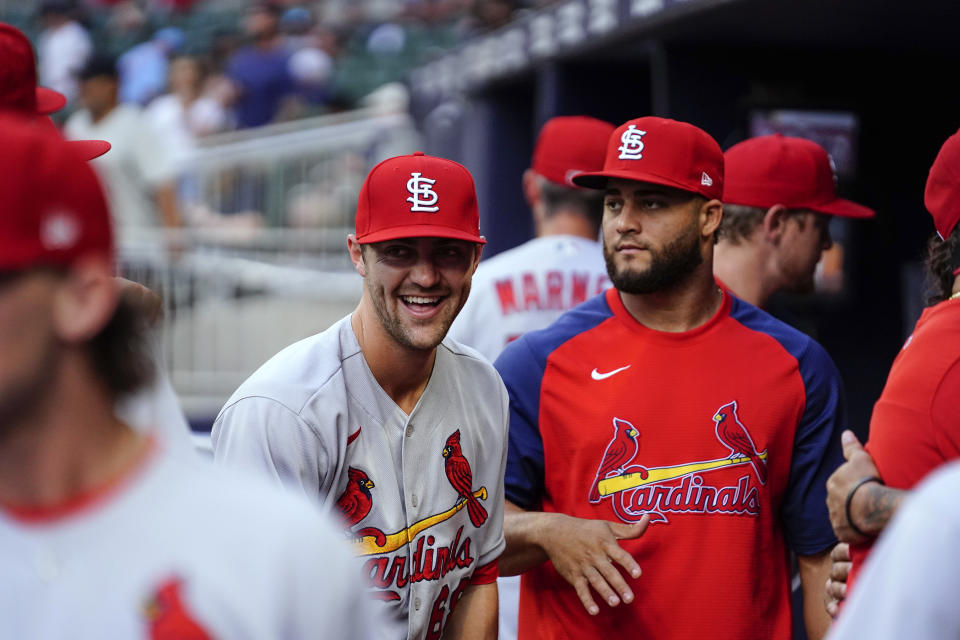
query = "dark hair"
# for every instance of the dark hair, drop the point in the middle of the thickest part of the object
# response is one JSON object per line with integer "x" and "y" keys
{"x": 738, "y": 222}
{"x": 586, "y": 202}
{"x": 121, "y": 353}
{"x": 943, "y": 258}
{"x": 99, "y": 65}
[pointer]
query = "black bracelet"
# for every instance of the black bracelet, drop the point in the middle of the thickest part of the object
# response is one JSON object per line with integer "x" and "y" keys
{"x": 853, "y": 490}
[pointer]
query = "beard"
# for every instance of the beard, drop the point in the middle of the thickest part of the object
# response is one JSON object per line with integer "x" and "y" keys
{"x": 422, "y": 337}
{"x": 23, "y": 395}
{"x": 669, "y": 266}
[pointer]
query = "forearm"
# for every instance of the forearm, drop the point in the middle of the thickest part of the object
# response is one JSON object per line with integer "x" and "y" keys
{"x": 814, "y": 572}
{"x": 874, "y": 505}
{"x": 168, "y": 206}
{"x": 522, "y": 530}
{"x": 475, "y": 615}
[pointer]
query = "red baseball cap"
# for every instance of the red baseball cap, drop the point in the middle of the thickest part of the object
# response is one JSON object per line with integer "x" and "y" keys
{"x": 418, "y": 196}
{"x": 794, "y": 172}
{"x": 19, "y": 91}
{"x": 570, "y": 145}
{"x": 942, "y": 195}
{"x": 54, "y": 207}
{"x": 661, "y": 151}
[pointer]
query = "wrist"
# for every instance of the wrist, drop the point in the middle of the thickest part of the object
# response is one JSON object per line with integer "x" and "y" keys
{"x": 857, "y": 506}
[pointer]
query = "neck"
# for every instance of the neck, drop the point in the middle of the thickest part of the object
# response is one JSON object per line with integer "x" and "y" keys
{"x": 956, "y": 286}
{"x": 402, "y": 372}
{"x": 685, "y": 307}
{"x": 742, "y": 268}
{"x": 100, "y": 114}
{"x": 567, "y": 223}
{"x": 70, "y": 445}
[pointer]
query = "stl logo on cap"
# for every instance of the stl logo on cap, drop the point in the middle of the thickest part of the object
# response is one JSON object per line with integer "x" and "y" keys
{"x": 420, "y": 187}
{"x": 631, "y": 143}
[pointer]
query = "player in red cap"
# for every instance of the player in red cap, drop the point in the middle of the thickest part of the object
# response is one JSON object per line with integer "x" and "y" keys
{"x": 105, "y": 532}
{"x": 19, "y": 91}
{"x": 778, "y": 197}
{"x": 384, "y": 417}
{"x": 914, "y": 427}
{"x": 530, "y": 286}
{"x": 667, "y": 408}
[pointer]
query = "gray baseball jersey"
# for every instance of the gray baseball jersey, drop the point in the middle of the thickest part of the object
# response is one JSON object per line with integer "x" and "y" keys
{"x": 422, "y": 494}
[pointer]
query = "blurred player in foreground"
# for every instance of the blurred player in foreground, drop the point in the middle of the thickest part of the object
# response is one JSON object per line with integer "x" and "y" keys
{"x": 400, "y": 428}
{"x": 667, "y": 401}
{"x": 104, "y": 533}
{"x": 909, "y": 585}
{"x": 779, "y": 195}
{"x": 529, "y": 286}
{"x": 915, "y": 426}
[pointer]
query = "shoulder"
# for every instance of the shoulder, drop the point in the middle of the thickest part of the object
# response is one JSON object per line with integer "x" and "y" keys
{"x": 468, "y": 362}
{"x": 297, "y": 373}
{"x": 807, "y": 351}
{"x": 538, "y": 345}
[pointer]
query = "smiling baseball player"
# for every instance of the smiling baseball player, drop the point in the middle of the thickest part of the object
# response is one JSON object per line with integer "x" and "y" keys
{"x": 403, "y": 430}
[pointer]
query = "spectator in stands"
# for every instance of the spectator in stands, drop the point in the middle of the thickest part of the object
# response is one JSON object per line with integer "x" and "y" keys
{"x": 260, "y": 71}
{"x": 138, "y": 173}
{"x": 143, "y": 69}
{"x": 64, "y": 47}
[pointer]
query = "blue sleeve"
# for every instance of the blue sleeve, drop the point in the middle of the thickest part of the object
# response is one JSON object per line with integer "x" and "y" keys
{"x": 522, "y": 374}
{"x": 816, "y": 454}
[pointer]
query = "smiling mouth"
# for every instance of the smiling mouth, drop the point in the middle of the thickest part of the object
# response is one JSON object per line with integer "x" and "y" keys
{"x": 421, "y": 302}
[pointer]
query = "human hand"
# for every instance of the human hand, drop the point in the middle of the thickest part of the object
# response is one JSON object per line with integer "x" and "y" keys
{"x": 858, "y": 465}
{"x": 148, "y": 303}
{"x": 584, "y": 551}
{"x": 835, "y": 589}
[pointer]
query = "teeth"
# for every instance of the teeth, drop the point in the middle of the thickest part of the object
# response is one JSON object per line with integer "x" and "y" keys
{"x": 420, "y": 300}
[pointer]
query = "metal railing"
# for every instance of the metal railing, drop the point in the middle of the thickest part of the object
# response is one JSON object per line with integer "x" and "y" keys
{"x": 241, "y": 283}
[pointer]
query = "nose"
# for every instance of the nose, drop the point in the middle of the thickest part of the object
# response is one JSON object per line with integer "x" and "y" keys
{"x": 425, "y": 273}
{"x": 626, "y": 220}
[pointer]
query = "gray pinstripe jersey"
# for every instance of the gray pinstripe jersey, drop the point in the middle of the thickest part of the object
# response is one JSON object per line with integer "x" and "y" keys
{"x": 314, "y": 417}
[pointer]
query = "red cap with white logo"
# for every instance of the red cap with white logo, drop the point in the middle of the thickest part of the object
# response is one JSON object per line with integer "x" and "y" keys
{"x": 418, "y": 196}
{"x": 570, "y": 145}
{"x": 794, "y": 172}
{"x": 942, "y": 195}
{"x": 54, "y": 207}
{"x": 661, "y": 151}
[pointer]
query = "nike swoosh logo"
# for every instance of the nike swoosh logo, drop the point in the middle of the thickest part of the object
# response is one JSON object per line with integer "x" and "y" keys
{"x": 596, "y": 375}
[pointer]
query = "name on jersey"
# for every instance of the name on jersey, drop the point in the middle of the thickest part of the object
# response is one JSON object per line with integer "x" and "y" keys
{"x": 635, "y": 490}
{"x": 548, "y": 291}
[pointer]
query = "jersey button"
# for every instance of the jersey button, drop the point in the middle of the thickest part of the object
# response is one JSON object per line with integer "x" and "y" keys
{"x": 416, "y": 604}
{"x": 413, "y": 500}
{"x": 409, "y": 430}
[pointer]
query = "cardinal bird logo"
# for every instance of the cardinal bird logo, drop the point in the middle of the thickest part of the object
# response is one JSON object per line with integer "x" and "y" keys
{"x": 168, "y": 616}
{"x": 620, "y": 452}
{"x": 732, "y": 433}
{"x": 461, "y": 478}
{"x": 356, "y": 500}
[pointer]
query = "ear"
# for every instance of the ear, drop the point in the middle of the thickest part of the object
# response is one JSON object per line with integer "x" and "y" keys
{"x": 531, "y": 188}
{"x": 356, "y": 255}
{"x": 711, "y": 214}
{"x": 85, "y": 300}
{"x": 476, "y": 256}
{"x": 774, "y": 223}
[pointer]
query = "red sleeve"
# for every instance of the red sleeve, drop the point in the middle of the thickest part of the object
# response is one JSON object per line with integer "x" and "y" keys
{"x": 485, "y": 574}
{"x": 944, "y": 414}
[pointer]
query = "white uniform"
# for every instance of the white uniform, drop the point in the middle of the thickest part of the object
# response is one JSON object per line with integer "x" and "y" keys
{"x": 527, "y": 288}
{"x": 178, "y": 549}
{"x": 315, "y": 418}
{"x": 909, "y": 584}
{"x": 521, "y": 290}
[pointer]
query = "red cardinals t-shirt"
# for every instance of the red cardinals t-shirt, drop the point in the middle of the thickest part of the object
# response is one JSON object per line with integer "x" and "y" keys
{"x": 725, "y": 435}
{"x": 915, "y": 426}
